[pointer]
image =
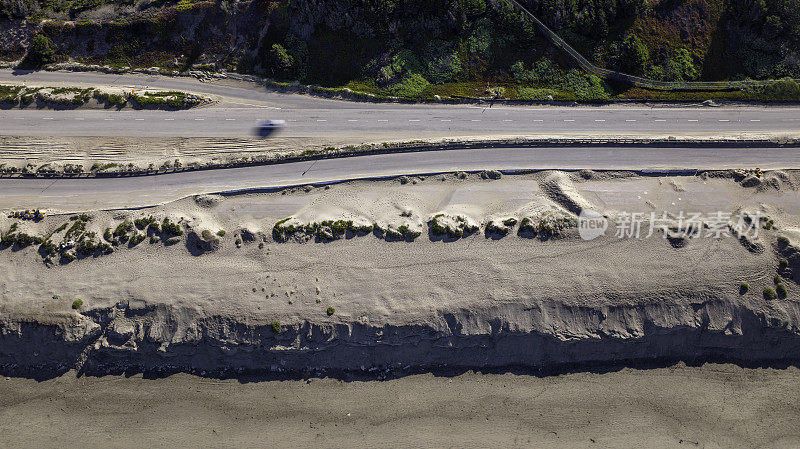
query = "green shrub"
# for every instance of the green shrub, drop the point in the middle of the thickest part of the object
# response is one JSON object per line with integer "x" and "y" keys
{"x": 330, "y": 311}
{"x": 783, "y": 264}
{"x": 77, "y": 304}
{"x": 680, "y": 66}
{"x": 221, "y": 233}
{"x": 144, "y": 222}
{"x": 136, "y": 239}
{"x": 171, "y": 241}
{"x": 781, "y": 291}
{"x": 170, "y": 228}
{"x": 510, "y": 222}
{"x": 769, "y": 293}
{"x": 48, "y": 247}
{"x": 184, "y": 5}
{"x": 24, "y": 240}
{"x": 411, "y": 86}
{"x": 279, "y": 61}
{"x": 408, "y": 233}
{"x": 635, "y": 55}
{"x": 282, "y": 233}
{"x": 42, "y": 51}
{"x": 123, "y": 229}
{"x": 743, "y": 288}
{"x": 275, "y": 326}
{"x": 782, "y": 90}
{"x": 444, "y": 68}
{"x": 783, "y": 241}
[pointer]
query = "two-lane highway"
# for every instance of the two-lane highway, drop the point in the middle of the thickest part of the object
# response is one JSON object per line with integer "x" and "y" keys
{"x": 243, "y": 104}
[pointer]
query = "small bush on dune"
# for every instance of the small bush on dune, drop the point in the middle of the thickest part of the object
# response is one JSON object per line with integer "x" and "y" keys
{"x": 769, "y": 293}
{"x": 275, "y": 326}
{"x": 77, "y": 304}
{"x": 136, "y": 239}
{"x": 330, "y": 311}
{"x": 170, "y": 228}
{"x": 781, "y": 290}
{"x": 144, "y": 222}
{"x": 743, "y": 288}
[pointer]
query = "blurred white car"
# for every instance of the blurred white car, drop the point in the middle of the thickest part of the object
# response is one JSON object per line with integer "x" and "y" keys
{"x": 265, "y": 128}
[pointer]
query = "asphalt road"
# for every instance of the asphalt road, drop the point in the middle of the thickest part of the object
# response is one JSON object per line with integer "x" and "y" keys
{"x": 105, "y": 193}
{"x": 306, "y": 116}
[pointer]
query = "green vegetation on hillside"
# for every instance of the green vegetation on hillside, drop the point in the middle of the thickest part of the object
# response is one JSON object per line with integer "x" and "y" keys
{"x": 419, "y": 49}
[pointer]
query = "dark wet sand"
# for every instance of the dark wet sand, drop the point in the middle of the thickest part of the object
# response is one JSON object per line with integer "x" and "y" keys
{"x": 708, "y": 406}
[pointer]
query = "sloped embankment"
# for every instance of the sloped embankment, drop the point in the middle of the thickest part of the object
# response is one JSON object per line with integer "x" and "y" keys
{"x": 548, "y": 336}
